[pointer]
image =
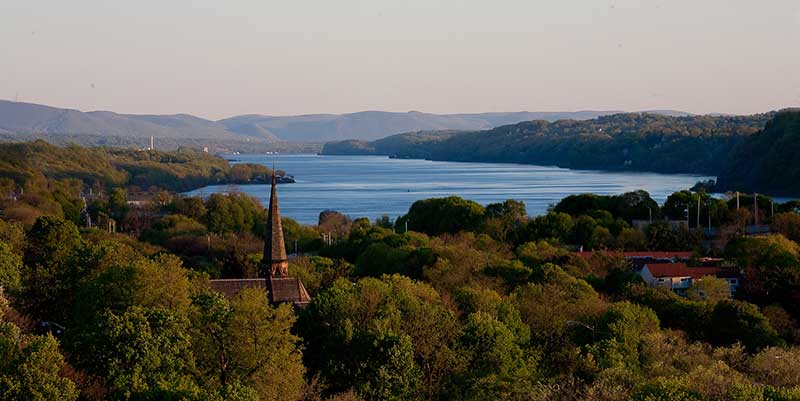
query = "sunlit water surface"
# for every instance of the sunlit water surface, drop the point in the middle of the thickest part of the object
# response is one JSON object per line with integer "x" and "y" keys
{"x": 371, "y": 186}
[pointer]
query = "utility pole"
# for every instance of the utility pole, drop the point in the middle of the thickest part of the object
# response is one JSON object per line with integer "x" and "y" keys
{"x": 737, "y": 200}
{"x": 698, "y": 210}
{"x": 687, "y": 216}
{"x": 755, "y": 208}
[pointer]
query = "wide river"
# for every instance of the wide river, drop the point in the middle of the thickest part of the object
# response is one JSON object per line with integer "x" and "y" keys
{"x": 371, "y": 186}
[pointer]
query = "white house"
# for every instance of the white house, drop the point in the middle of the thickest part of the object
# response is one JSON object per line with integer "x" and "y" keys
{"x": 678, "y": 277}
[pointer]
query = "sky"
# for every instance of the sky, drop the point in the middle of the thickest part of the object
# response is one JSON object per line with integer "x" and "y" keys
{"x": 216, "y": 59}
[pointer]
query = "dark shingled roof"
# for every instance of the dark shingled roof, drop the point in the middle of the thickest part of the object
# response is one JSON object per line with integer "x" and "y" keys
{"x": 288, "y": 289}
{"x": 281, "y": 289}
{"x": 232, "y": 287}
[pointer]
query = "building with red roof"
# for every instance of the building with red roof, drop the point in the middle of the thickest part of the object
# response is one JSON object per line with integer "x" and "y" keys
{"x": 679, "y": 277}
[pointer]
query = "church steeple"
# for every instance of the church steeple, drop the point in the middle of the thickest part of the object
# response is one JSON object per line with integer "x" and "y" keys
{"x": 274, "y": 263}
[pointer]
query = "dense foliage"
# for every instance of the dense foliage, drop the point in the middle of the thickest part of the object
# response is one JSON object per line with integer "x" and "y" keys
{"x": 452, "y": 301}
{"x": 28, "y": 163}
{"x": 767, "y": 161}
{"x": 633, "y": 141}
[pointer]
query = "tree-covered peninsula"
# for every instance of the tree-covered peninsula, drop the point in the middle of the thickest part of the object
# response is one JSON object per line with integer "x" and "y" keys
{"x": 630, "y": 141}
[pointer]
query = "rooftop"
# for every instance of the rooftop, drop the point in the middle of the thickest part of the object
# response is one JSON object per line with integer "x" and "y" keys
{"x": 681, "y": 270}
{"x": 648, "y": 254}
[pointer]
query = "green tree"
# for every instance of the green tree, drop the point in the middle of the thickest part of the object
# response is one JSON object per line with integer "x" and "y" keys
{"x": 504, "y": 218}
{"x": 390, "y": 338}
{"x": 661, "y": 236}
{"x": 631, "y": 239}
{"x": 305, "y": 238}
{"x": 246, "y": 341}
{"x": 710, "y": 289}
{"x": 493, "y": 348}
{"x": 30, "y": 367}
{"x": 144, "y": 353}
{"x": 583, "y": 231}
{"x": 772, "y": 269}
{"x": 552, "y": 226}
{"x": 118, "y": 204}
{"x": 787, "y": 224}
{"x": 635, "y": 205}
{"x": 190, "y": 206}
{"x": 56, "y": 260}
{"x": 443, "y": 215}
{"x": 736, "y": 321}
{"x": 234, "y": 212}
{"x": 550, "y": 305}
{"x": 622, "y": 329}
{"x": 10, "y": 267}
{"x": 161, "y": 282}
{"x": 13, "y": 235}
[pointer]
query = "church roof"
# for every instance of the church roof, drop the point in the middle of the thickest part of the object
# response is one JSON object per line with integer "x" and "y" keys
{"x": 281, "y": 289}
{"x": 288, "y": 289}
{"x": 232, "y": 287}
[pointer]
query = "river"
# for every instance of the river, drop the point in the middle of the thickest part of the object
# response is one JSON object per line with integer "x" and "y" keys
{"x": 371, "y": 186}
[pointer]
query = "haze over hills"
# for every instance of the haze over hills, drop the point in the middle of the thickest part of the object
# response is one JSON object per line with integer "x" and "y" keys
{"x": 370, "y": 125}
{"x": 24, "y": 121}
{"x": 29, "y": 118}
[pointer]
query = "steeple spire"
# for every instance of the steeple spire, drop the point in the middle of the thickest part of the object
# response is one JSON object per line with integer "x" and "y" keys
{"x": 274, "y": 263}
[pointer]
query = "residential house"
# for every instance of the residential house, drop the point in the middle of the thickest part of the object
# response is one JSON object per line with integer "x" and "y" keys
{"x": 678, "y": 277}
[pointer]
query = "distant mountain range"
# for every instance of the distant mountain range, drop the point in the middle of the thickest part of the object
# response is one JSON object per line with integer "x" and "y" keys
{"x": 29, "y": 118}
{"x": 370, "y": 125}
{"x": 21, "y": 121}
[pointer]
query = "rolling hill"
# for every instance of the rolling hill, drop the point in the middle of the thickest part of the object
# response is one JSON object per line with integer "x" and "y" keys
{"x": 371, "y": 125}
{"x": 29, "y": 118}
{"x": 625, "y": 141}
{"x": 27, "y": 121}
{"x": 768, "y": 161}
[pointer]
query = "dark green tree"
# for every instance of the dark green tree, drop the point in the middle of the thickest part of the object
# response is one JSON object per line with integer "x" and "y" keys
{"x": 443, "y": 215}
{"x": 736, "y": 321}
{"x": 56, "y": 260}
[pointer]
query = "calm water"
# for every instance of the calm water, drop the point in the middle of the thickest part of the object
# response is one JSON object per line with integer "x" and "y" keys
{"x": 371, "y": 186}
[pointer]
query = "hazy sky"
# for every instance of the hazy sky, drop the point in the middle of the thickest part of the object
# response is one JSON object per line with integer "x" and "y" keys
{"x": 216, "y": 58}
